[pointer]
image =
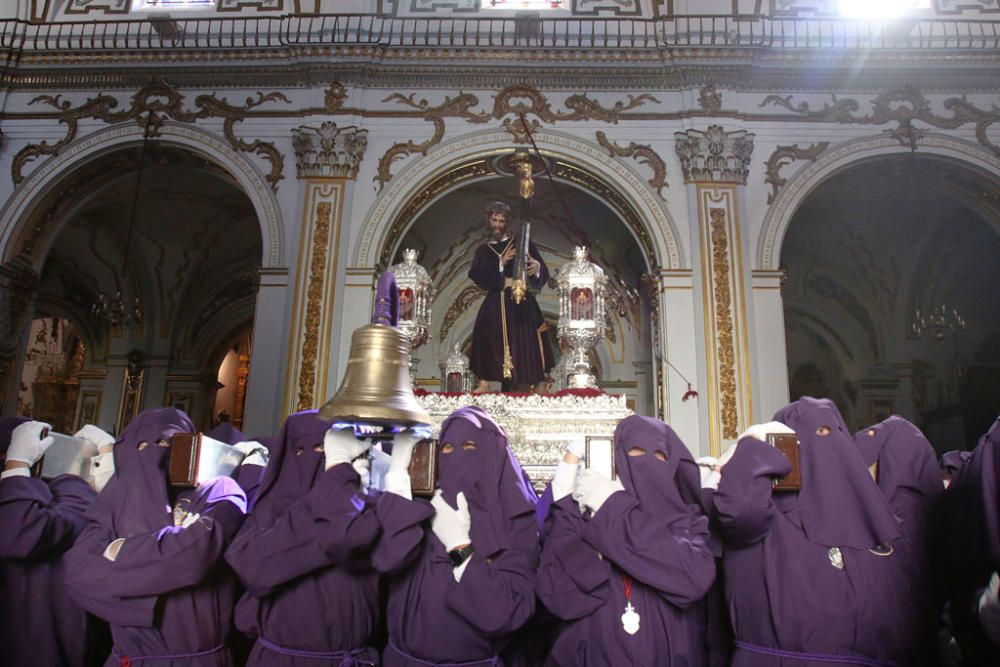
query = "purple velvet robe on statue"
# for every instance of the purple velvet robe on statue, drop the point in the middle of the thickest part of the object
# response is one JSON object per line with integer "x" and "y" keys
{"x": 304, "y": 556}
{"x": 168, "y": 595}
{"x": 39, "y": 519}
{"x": 433, "y": 619}
{"x": 815, "y": 576}
{"x": 524, "y": 320}
{"x": 966, "y": 548}
{"x": 655, "y": 536}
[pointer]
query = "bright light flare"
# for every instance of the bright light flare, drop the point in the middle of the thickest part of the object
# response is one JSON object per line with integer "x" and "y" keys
{"x": 876, "y": 9}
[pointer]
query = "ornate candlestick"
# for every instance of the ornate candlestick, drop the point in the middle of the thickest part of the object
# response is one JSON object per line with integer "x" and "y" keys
{"x": 415, "y": 294}
{"x": 582, "y": 322}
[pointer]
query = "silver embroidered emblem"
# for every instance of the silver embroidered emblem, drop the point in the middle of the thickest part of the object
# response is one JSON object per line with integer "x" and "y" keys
{"x": 630, "y": 619}
{"x": 836, "y": 558}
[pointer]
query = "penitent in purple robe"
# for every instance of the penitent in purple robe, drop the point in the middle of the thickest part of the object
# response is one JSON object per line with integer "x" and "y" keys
{"x": 168, "y": 595}
{"x": 433, "y": 619}
{"x": 966, "y": 550}
{"x": 524, "y": 323}
{"x": 652, "y": 540}
{"x": 815, "y": 576}
{"x": 909, "y": 477}
{"x": 304, "y": 556}
{"x": 40, "y": 624}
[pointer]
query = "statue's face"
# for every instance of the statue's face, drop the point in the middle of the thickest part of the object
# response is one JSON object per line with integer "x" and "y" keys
{"x": 498, "y": 225}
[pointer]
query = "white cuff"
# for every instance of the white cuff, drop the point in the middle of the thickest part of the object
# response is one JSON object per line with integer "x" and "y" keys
{"x": 460, "y": 570}
{"x": 16, "y": 472}
{"x": 711, "y": 480}
{"x": 111, "y": 552}
{"x": 398, "y": 482}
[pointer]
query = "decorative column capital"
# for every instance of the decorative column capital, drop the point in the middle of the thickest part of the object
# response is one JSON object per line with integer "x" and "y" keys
{"x": 714, "y": 156}
{"x": 329, "y": 150}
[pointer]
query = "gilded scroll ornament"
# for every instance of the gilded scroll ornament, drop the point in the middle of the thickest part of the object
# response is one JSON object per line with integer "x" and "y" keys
{"x": 328, "y": 150}
{"x": 314, "y": 306}
{"x": 513, "y": 100}
{"x": 723, "y": 321}
{"x": 158, "y": 102}
{"x": 643, "y": 154}
{"x": 897, "y": 105}
{"x": 462, "y": 303}
{"x": 714, "y": 156}
{"x": 785, "y": 155}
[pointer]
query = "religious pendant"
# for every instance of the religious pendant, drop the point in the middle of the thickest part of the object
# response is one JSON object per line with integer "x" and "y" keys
{"x": 630, "y": 619}
{"x": 179, "y": 513}
{"x": 836, "y": 558}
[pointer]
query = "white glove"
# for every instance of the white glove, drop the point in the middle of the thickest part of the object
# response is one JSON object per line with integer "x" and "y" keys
{"x": 98, "y": 437}
{"x": 397, "y": 477}
{"x": 380, "y": 462}
{"x": 341, "y": 446}
{"x": 760, "y": 431}
{"x": 451, "y": 526}
{"x": 593, "y": 489}
{"x": 190, "y": 519}
{"x": 254, "y": 453}
{"x": 989, "y": 609}
{"x": 564, "y": 480}
{"x": 707, "y": 469}
{"x": 102, "y": 467}
{"x": 577, "y": 448}
{"x": 361, "y": 466}
{"x": 27, "y": 444}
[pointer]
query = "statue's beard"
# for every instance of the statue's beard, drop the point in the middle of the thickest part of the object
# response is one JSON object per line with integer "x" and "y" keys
{"x": 498, "y": 235}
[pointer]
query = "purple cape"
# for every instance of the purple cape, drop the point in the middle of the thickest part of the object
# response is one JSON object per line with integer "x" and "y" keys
{"x": 431, "y": 617}
{"x": 227, "y": 433}
{"x": 652, "y": 539}
{"x": 165, "y": 595}
{"x": 41, "y": 624}
{"x": 524, "y": 321}
{"x": 816, "y": 575}
{"x": 304, "y": 557}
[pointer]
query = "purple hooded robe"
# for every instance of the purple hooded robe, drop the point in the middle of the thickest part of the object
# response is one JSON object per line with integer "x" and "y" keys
{"x": 651, "y": 538}
{"x": 966, "y": 548}
{"x": 432, "y": 619}
{"x": 41, "y": 625}
{"x": 304, "y": 555}
{"x": 168, "y": 596}
{"x": 910, "y": 479}
{"x": 815, "y": 576}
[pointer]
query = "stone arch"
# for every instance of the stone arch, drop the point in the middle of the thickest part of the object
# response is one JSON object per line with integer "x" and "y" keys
{"x": 411, "y": 181}
{"x": 22, "y": 208}
{"x": 843, "y": 156}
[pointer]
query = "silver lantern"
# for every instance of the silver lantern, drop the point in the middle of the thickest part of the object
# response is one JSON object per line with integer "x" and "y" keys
{"x": 416, "y": 291}
{"x": 582, "y": 322}
{"x": 456, "y": 378}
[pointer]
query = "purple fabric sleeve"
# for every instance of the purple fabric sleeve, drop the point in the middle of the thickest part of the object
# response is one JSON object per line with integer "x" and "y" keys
{"x": 41, "y": 519}
{"x": 572, "y": 579}
{"x": 496, "y": 597}
{"x": 174, "y": 557}
{"x": 743, "y": 503}
{"x": 329, "y": 526}
{"x": 485, "y": 269}
{"x": 249, "y": 477}
{"x": 669, "y": 552}
{"x": 89, "y": 575}
{"x": 402, "y": 532}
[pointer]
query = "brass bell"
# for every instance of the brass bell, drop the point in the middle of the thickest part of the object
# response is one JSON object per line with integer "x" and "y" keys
{"x": 376, "y": 387}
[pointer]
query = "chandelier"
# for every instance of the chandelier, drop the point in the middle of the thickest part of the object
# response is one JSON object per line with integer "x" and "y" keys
{"x": 114, "y": 312}
{"x": 939, "y": 322}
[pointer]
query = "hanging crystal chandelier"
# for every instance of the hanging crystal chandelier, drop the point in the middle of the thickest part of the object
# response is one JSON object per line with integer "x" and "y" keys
{"x": 113, "y": 312}
{"x": 939, "y": 323}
